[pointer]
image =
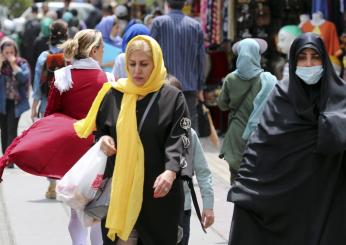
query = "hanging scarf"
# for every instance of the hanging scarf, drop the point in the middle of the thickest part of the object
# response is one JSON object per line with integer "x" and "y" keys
{"x": 127, "y": 184}
{"x": 268, "y": 82}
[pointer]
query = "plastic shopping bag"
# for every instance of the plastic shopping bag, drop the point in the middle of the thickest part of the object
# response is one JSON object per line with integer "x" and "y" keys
{"x": 79, "y": 185}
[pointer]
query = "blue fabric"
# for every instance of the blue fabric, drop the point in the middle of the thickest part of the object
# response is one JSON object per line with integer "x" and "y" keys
{"x": 22, "y": 77}
{"x": 36, "y": 91}
{"x": 203, "y": 175}
{"x": 249, "y": 59}
{"x": 134, "y": 30}
{"x": 268, "y": 82}
{"x": 110, "y": 53}
{"x": 105, "y": 27}
{"x": 320, "y": 5}
{"x": 182, "y": 41}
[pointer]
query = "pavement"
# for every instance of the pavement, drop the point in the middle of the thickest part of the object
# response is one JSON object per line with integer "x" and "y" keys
{"x": 27, "y": 218}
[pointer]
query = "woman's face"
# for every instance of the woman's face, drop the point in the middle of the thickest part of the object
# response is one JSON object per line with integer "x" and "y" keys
{"x": 309, "y": 57}
{"x": 140, "y": 66}
{"x": 8, "y": 52}
{"x": 97, "y": 53}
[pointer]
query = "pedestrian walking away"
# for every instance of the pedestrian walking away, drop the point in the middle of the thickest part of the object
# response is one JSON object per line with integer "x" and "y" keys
{"x": 182, "y": 41}
{"x": 244, "y": 92}
{"x": 47, "y": 62}
{"x": 291, "y": 184}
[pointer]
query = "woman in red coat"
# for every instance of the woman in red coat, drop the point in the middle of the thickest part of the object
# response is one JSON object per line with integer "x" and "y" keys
{"x": 74, "y": 90}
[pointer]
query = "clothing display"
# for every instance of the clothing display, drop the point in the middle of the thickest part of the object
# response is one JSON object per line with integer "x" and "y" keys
{"x": 328, "y": 33}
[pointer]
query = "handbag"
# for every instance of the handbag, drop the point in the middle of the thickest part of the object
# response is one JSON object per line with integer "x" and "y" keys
{"x": 98, "y": 207}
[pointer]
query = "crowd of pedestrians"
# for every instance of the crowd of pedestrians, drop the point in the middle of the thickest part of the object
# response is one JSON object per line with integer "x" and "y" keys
{"x": 133, "y": 84}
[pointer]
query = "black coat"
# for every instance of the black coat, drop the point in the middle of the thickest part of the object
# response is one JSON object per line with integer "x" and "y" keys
{"x": 161, "y": 137}
{"x": 291, "y": 185}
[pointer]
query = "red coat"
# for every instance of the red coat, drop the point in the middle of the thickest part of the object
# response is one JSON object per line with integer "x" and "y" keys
{"x": 50, "y": 146}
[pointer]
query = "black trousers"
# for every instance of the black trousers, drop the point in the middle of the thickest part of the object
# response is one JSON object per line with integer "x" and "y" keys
{"x": 186, "y": 227}
{"x": 8, "y": 125}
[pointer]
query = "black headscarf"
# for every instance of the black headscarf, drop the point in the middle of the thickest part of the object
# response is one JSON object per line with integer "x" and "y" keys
{"x": 291, "y": 185}
{"x": 327, "y": 98}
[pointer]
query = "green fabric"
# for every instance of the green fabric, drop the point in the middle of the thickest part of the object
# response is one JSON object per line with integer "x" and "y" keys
{"x": 45, "y": 26}
{"x": 231, "y": 96}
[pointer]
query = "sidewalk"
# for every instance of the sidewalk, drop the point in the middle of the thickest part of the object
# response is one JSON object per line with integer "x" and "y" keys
{"x": 27, "y": 218}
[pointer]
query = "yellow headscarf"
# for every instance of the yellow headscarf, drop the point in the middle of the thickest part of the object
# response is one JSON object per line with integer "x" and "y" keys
{"x": 127, "y": 184}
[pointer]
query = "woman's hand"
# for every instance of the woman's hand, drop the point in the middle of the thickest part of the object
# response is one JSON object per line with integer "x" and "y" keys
{"x": 2, "y": 59}
{"x": 108, "y": 145}
{"x": 207, "y": 217}
{"x": 163, "y": 183}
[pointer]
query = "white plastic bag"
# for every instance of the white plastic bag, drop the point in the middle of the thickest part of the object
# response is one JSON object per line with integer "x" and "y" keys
{"x": 79, "y": 185}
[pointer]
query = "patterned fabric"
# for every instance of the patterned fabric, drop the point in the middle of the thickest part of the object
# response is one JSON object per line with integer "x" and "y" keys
{"x": 182, "y": 41}
{"x": 11, "y": 83}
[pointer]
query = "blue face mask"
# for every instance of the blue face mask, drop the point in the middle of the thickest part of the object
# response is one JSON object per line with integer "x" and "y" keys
{"x": 310, "y": 75}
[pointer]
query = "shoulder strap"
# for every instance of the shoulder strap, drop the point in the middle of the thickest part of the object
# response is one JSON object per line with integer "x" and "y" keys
{"x": 152, "y": 99}
{"x": 195, "y": 203}
{"x": 242, "y": 100}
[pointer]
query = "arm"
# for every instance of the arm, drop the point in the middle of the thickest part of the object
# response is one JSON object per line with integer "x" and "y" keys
{"x": 175, "y": 150}
{"x": 154, "y": 31}
{"x": 223, "y": 101}
{"x": 204, "y": 179}
{"x": 54, "y": 102}
{"x": 36, "y": 86}
{"x": 201, "y": 59}
{"x": 22, "y": 73}
{"x": 103, "y": 127}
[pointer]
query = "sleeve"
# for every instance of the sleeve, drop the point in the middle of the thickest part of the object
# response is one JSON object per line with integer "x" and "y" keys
{"x": 103, "y": 119}
{"x": 54, "y": 102}
{"x": 223, "y": 101}
{"x": 177, "y": 143}
{"x": 154, "y": 31}
{"x": 37, "y": 77}
{"x": 23, "y": 74}
{"x": 201, "y": 59}
{"x": 203, "y": 173}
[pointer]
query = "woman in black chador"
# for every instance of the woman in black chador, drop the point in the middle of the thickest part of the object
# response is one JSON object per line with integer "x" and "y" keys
{"x": 291, "y": 185}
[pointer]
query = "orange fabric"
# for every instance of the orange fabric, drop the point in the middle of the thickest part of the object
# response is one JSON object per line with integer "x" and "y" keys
{"x": 328, "y": 34}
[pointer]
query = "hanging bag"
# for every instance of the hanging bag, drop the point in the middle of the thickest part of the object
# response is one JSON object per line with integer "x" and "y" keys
{"x": 98, "y": 207}
{"x": 80, "y": 184}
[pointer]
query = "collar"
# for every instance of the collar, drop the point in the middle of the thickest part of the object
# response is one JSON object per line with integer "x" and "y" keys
{"x": 63, "y": 78}
{"x": 176, "y": 11}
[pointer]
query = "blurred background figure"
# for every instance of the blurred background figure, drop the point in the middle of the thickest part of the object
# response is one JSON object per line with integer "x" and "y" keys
{"x": 110, "y": 30}
{"x": 32, "y": 28}
{"x": 14, "y": 89}
{"x": 41, "y": 41}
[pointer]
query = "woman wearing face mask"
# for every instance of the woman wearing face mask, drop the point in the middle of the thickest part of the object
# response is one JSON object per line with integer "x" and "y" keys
{"x": 146, "y": 161}
{"x": 14, "y": 88}
{"x": 291, "y": 185}
{"x": 110, "y": 29}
